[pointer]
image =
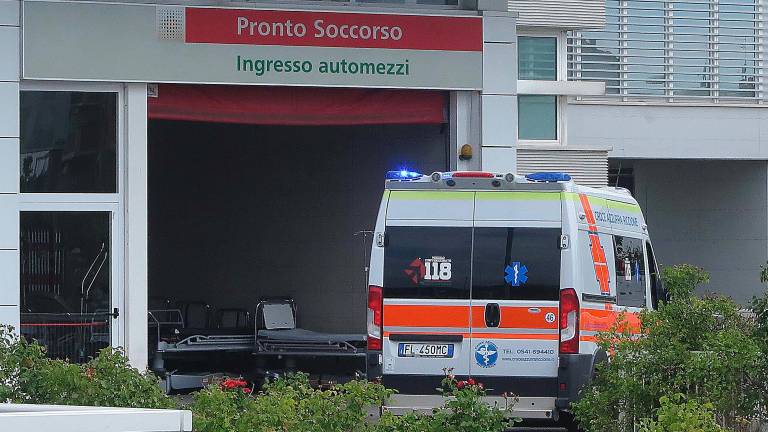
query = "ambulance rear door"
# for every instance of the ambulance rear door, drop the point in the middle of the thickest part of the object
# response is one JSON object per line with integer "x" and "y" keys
{"x": 427, "y": 270}
{"x": 515, "y": 291}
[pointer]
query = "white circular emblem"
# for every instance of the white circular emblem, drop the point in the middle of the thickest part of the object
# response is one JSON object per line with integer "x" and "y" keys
{"x": 486, "y": 354}
{"x": 549, "y": 317}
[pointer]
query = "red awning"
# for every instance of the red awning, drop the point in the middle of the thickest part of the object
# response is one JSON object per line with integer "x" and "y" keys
{"x": 300, "y": 106}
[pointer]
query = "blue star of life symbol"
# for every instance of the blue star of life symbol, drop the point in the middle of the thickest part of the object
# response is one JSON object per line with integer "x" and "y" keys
{"x": 486, "y": 354}
{"x": 516, "y": 274}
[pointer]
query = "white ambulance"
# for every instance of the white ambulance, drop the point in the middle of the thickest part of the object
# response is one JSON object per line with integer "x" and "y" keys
{"x": 503, "y": 278}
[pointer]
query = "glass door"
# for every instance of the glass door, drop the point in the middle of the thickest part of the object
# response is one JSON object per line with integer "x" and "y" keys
{"x": 67, "y": 282}
{"x": 71, "y": 217}
{"x": 515, "y": 292}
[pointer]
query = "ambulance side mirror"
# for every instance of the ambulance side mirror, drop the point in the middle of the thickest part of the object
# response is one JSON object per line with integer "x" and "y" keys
{"x": 660, "y": 294}
{"x": 663, "y": 293}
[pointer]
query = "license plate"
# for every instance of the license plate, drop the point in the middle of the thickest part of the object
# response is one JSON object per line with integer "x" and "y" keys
{"x": 425, "y": 350}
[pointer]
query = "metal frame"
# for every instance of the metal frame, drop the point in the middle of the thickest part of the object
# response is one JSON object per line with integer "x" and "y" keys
{"x": 291, "y": 347}
{"x": 278, "y": 347}
{"x": 209, "y": 343}
{"x": 157, "y": 323}
{"x": 229, "y": 343}
{"x": 93, "y": 202}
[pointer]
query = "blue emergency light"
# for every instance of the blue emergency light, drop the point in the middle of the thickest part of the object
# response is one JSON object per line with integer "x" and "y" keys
{"x": 548, "y": 177}
{"x": 403, "y": 175}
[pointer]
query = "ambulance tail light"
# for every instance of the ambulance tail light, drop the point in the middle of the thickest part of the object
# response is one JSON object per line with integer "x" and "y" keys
{"x": 569, "y": 321}
{"x": 472, "y": 174}
{"x": 375, "y": 313}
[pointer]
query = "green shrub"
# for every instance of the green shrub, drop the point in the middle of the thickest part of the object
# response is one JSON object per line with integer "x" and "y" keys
{"x": 288, "y": 404}
{"x": 759, "y": 306}
{"x": 682, "y": 280}
{"x": 676, "y": 414}
{"x": 465, "y": 410}
{"x": 702, "y": 347}
{"x": 291, "y": 404}
{"x": 28, "y": 376}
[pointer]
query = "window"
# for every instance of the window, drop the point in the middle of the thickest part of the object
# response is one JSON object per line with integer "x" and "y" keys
{"x": 427, "y": 262}
{"x": 657, "y": 287}
{"x": 66, "y": 282}
{"x": 68, "y": 142}
{"x": 630, "y": 271}
{"x": 537, "y": 117}
{"x": 622, "y": 176}
{"x": 675, "y": 49}
{"x": 537, "y": 58}
{"x": 537, "y": 114}
{"x": 498, "y": 249}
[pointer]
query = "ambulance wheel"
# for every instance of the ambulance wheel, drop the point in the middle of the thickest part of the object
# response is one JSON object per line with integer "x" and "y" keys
{"x": 568, "y": 422}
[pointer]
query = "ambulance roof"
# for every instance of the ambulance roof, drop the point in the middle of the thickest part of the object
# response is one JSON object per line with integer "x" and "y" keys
{"x": 487, "y": 181}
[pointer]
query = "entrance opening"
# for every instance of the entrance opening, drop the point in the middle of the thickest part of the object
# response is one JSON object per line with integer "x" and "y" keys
{"x": 259, "y": 228}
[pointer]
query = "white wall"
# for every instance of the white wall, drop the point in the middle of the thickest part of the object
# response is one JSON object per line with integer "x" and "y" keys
{"x": 661, "y": 132}
{"x": 712, "y": 214}
{"x": 9, "y": 161}
{"x": 498, "y": 100}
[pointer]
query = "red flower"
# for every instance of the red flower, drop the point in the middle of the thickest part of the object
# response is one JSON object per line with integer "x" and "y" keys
{"x": 460, "y": 385}
{"x": 233, "y": 384}
{"x": 471, "y": 381}
{"x": 247, "y": 390}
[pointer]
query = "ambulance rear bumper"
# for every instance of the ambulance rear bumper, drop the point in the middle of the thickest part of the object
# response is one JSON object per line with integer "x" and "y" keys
{"x": 526, "y": 407}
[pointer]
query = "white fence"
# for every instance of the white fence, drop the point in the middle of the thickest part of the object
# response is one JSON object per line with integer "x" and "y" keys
{"x": 58, "y": 418}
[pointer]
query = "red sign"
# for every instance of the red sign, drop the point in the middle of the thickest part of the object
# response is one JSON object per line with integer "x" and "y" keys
{"x": 333, "y": 29}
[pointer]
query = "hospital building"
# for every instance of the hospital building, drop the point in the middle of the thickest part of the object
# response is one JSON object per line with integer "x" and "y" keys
{"x": 200, "y": 155}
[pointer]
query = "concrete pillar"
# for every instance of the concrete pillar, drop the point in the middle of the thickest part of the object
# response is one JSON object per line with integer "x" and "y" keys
{"x": 465, "y": 129}
{"x": 136, "y": 225}
{"x": 9, "y": 161}
{"x": 498, "y": 99}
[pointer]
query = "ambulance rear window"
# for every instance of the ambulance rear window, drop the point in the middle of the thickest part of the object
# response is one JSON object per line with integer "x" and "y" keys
{"x": 516, "y": 264}
{"x": 427, "y": 262}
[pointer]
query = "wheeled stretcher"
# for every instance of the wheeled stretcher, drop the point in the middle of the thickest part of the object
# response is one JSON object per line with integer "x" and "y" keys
{"x": 274, "y": 335}
{"x": 277, "y": 334}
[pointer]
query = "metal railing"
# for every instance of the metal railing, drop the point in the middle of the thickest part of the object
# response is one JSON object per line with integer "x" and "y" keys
{"x": 77, "y": 337}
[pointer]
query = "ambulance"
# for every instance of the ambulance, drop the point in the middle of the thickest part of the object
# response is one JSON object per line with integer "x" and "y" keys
{"x": 503, "y": 278}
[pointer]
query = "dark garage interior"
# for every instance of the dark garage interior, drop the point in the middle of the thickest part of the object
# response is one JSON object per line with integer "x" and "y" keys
{"x": 261, "y": 202}
{"x": 240, "y": 212}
